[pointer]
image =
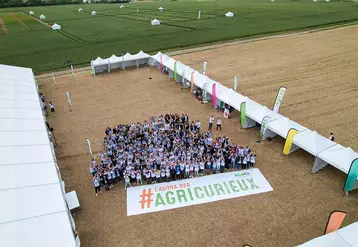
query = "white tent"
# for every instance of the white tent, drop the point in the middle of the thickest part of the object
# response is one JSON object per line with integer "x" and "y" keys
{"x": 232, "y": 98}
{"x": 114, "y": 62}
{"x": 229, "y": 14}
{"x": 155, "y": 22}
{"x": 80, "y": 10}
{"x": 31, "y": 13}
{"x": 99, "y": 65}
{"x": 93, "y": 13}
{"x": 160, "y": 8}
{"x": 35, "y": 212}
{"x": 56, "y": 27}
{"x": 281, "y": 127}
{"x": 42, "y": 17}
{"x": 344, "y": 237}
{"x": 258, "y": 114}
{"x": 337, "y": 156}
{"x": 122, "y": 6}
{"x": 312, "y": 142}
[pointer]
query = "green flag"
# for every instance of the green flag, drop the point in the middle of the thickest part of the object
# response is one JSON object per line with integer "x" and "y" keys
{"x": 175, "y": 71}
{"x": 352, "y": 176}
{"x": 264, "y": 122}
{"x": 242, "y": 113}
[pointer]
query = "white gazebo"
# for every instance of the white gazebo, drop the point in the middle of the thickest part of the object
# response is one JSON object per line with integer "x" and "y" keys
{"x": 80, "y": 10}
{"x": 42, "y": 17}
{"x": 93, "y": 13}
{"x": 161, "y": 8}
{"x": 229, "y": 14}
{"x": 155, "y": 22}
{"x": 122, "y": 6}
{"x": 31, "y": 13}
{"x": 56, "y": 27}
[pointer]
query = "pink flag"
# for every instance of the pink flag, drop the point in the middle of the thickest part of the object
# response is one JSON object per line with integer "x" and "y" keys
{"x": 213, "y": 101}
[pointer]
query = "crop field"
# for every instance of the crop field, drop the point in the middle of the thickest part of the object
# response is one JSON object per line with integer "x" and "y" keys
{"x": 26, "y": 41}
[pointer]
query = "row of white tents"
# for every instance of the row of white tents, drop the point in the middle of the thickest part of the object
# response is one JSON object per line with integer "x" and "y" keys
{"x": 324, "y": 150}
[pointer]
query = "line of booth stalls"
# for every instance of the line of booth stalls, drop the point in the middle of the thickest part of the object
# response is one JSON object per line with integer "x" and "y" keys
{"x": 324, "y": 150}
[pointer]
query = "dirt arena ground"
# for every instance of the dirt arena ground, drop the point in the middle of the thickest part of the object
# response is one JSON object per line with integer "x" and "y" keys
{"x": 320, "y": 71}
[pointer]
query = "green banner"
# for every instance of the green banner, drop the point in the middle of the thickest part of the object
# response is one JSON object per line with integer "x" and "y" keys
{"x": 264, "y": 122}
{"x": 352, "y": 176}
{"x": 242, "y": 113}
{"x": 175, "y": 71}
{"x": 205, "y": 90}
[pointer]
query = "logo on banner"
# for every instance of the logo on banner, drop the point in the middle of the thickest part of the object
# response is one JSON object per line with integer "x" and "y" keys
{"x": 264, "y": 122}
{"x": 157, "y": 197}
{"x": 279, "y": 98}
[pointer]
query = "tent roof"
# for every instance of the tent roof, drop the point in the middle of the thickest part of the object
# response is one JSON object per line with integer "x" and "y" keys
{"x": 344, "y": 237}
{"x": 259, "y": 113}
{"x": 114, "y": 59}
{"x": 339, "y": 156}
{"x": 312, "y": 142}
{"x": 169, "y": 63}
{"x": 50, "y": 230}
{"x": 99, "y": 61}
{"x": 281, "y": 126}
{"x": 35, "y": 212}
{"x": 232, "y": 98}
{"x": 156, "y": 57}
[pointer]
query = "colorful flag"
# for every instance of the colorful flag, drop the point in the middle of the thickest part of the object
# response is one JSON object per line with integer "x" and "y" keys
{"x": 279, "y": 98}
{"x": 264, "y": 123}
{"x": 352, "y": 176}
{"x": 243, "y": 113}
{"x": 213, "y": 100}
{"x": 334, "y": 222}
{"x": 289, "y": 140}
{"x": 175, "y": 71}
{"x": 192, "y": 82}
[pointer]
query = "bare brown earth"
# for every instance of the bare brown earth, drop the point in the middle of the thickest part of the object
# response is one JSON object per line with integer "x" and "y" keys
{"x": 320, "y": 72}
{"x": 3, "y": 26}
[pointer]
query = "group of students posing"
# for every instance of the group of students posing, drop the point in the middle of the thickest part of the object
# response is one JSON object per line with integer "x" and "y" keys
{"x": 172, "y": 149}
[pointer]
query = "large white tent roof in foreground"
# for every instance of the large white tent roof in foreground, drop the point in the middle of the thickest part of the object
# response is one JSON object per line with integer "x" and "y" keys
{"x": 33, "y": 212}
{"x": 232, "y": 98}
{"x": 312, "y": 142}
{"x": 339, "y": 156}
{"x": 344, "y": 237}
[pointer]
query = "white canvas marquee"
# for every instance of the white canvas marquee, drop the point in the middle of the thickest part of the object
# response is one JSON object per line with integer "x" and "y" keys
{"x": 155, "y": 22}
{"x": 338, "y": 156}
{"x": 281, "y": 126}
{"x": 232, "y": 98}
{"x": 42, "y": 17}
{"x": 35, "y": 212}
{"x": 311, "y": 142}
{"x": 344, "y": 237}
{"x": 229, "y": 14}
{"x": 56, "y": 27}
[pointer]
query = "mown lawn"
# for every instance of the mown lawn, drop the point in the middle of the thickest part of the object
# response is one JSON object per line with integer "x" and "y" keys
{"x": 114, "y": 30}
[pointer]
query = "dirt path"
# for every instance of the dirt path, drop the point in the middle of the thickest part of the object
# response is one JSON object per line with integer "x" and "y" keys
{"x": 37, "y": 19}
{"x": 25, "y": 25}
{"x": 3, "y": 27}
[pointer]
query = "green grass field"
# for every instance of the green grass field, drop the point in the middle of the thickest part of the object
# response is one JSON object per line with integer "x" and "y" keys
{"x": 114, "y": 30}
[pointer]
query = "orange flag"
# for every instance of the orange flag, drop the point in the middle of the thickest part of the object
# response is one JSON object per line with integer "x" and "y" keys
{"x": 334, "y": 222}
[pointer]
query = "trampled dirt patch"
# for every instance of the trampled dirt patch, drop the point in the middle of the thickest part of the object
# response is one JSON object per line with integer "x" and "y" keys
{"x": 3, "y": 26}
{"x": 319, "y": 70}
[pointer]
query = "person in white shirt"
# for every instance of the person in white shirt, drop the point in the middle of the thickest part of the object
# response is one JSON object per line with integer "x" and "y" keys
{"x": 139, "y": 178}
{"x": 197, "y": 125}
{"x": 44, "y": 108}
{"x": 196, "y": 169}
{"x": 52, "y": 106}
{"x": 211, "y": 121}
{"x": 97, "y": 187}
{"x": 252, "y": 160}
{"x": 331, "y": 137}
{"x": 127, "y": 182}
{"x": 218, "y": 124}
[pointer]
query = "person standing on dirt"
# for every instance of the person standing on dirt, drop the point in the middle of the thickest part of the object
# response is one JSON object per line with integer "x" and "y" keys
{"x": 69, "y": 63}
{"x": 211, "y": 121}
{"x": 218, "y": 124}
{"x": 52, "y": 107}
{"x": 331, "y": 137}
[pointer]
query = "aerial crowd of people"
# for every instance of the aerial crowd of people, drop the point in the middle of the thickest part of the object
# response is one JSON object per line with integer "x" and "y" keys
{"x": 166, "y": 148}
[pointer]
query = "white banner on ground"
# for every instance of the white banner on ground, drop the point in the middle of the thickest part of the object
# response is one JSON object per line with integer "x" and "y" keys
{"x": 182, "y": 193}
